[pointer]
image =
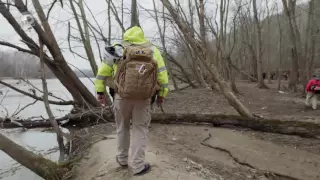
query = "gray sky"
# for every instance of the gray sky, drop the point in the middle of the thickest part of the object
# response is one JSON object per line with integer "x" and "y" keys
{"x": 59, "y": 19}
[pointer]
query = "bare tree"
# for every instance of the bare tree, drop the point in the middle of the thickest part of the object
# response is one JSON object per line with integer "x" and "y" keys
{"x": 57, "y": 64}
{"x": 202, "y": 53}
{"x": 162, "y": 32}
{"x": 84, "y": 34}
{"x": 261, "y": 83}
{"x": 289, "y": 9}
{"x": 310, "y": 45}
{"x": 197, "y": 65}
{"x": 280, "y": 51}
{"x": 47, "y": 106}
{"x": 134, "y": 13}
{"x": 118, "y": 18}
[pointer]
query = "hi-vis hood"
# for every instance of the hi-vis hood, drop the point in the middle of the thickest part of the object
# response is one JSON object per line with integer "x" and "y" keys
{"x": 134, "y": 35}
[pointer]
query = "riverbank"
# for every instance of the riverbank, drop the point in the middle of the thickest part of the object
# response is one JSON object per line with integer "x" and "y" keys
{"x": 206, "y": 152}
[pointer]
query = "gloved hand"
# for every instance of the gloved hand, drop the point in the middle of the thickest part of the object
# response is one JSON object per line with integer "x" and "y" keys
{"x": 101, "y": 98}
{"x": 159, "y": 100}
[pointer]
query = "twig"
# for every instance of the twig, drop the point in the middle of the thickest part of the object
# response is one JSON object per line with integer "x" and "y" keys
{"x": 16, "y": 109}
{"x": 16, "y": 47}
{"x": 30, "y": 104}
{"x": 7, "y": 115}
{"x": 81, "y": 72}
{"x": 69, "y": 43}
{"x": 36, "y": 97}
{"x": 29, "y": 83}
{"x": 4, "y": 97}
{"x": 96, "y": 39}
{"x": 54, "y": 2}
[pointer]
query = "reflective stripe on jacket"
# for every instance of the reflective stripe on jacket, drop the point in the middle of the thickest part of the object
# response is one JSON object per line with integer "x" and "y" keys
{"x": 133, "y": 35}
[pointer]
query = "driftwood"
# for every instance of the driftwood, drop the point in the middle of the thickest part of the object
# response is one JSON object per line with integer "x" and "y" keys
{"x": 303, "y": 129}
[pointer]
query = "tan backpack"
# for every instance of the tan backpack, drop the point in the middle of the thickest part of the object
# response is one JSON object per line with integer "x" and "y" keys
{"x": 136, "y": 77}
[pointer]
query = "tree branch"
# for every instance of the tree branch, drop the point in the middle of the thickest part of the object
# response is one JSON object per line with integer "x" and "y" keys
{"x": 17, "y": 47}
{"x": 36, "y": 97}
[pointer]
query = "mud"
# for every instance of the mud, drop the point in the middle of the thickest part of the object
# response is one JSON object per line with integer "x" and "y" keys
{"x": 187, "y": 151}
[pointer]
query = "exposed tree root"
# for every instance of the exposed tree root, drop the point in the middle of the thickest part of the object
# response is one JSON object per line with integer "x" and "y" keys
{"x": 266, "y": 173}
{"x": 302, "y": 129}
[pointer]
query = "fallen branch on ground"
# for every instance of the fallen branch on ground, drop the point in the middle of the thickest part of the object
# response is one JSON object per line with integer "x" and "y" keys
{"x": 303, "y": 129}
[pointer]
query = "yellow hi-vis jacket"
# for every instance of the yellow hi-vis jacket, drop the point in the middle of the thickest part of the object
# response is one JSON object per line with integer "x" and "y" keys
{"x": 133, "y": 35}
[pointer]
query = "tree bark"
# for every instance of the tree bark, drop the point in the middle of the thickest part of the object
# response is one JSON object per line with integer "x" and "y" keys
{"x": 202, "y": 53}
{"x": 201, "y": 21}
{"x": 197, "y": 66}
{"x": 53, "y": 122}
{"x": 280, "y": 53}
{"x": 289, "y": 9}
{"x": 261, "y": 83}
{"x": 134, "y": 13}
{"x": 309, "y": 45}
{"x": 39, "y": 165}
{"x": 85, "y": 36}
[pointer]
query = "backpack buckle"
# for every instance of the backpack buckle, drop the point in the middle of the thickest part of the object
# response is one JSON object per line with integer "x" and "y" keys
{"x": 142, "y": 69}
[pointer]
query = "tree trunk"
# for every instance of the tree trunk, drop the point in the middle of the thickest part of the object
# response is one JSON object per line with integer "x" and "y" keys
{"x": 109, "y": 23}
{"x": 289, "y": 9}
{"x": 309, "y": 44}
{"x": 202, "y": 53}
{"x": 195, "y": 61}
{"x": 59, "y": 67}
{"x": 280, "y": 53}
{"x": 261, "y": 83}
{"x": 134, "y": 13}
{"x": 201, "y": 21}
{"x": 54, "y": 123}
{"x": 86, "y": 37}
{"x": 163, "y": 42}
{"x": 292, "y": 127}
{"x": 37, "y": 164}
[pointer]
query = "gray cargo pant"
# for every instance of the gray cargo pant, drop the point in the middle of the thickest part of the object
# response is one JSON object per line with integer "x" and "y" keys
{"x": 139, "y": 112}
{"x": 312, "y": 99}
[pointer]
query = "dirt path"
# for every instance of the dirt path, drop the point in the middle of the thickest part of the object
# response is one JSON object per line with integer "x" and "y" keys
{"x": 238, "y": 155}
{"x": 101, "y": 164}
{"x": 176, "y": 152}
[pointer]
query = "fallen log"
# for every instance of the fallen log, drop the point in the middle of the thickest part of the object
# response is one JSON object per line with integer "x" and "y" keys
{"x": 299, "y": 128}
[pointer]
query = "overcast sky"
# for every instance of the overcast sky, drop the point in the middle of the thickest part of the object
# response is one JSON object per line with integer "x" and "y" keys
{"x": 59, "y": 19}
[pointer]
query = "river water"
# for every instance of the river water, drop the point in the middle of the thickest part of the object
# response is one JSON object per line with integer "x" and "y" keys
{"x": 36, "y": 140}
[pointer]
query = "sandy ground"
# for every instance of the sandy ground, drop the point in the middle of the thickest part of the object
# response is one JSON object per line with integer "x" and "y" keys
{"x": 188, "y": 152}
{"x": 266, "y": 103}
{"x": 176, "y": 152}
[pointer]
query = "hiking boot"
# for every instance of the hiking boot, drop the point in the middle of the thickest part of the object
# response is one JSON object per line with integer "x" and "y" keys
{"x": 145, "y": 170}
{"x": 122, "y": 165}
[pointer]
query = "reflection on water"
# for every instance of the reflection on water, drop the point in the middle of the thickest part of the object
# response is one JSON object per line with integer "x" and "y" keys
{"x": 34, "y": 140}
